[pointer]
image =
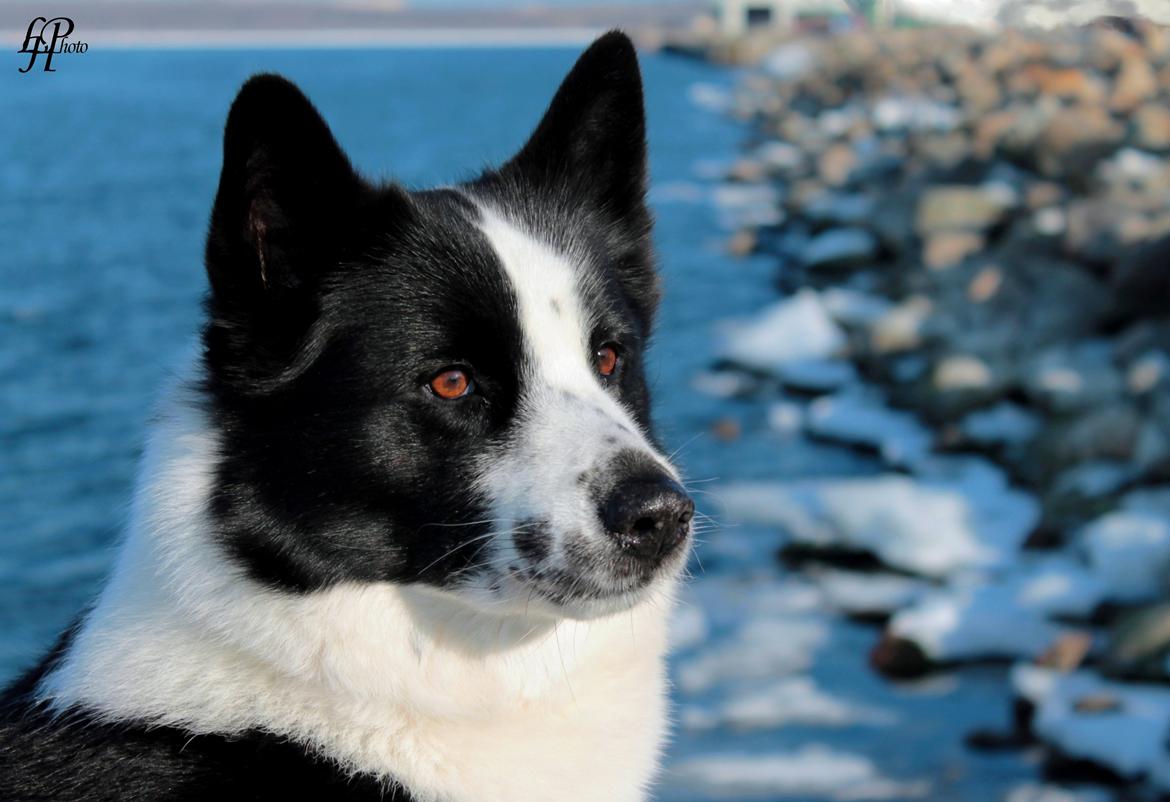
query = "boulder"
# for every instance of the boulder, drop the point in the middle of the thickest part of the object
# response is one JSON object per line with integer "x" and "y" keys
{"x": 1151, "y": 127}
{"x": 1074, "y": 139}
{"x": 949, "y": 248}
{"x": 959, "y": 208}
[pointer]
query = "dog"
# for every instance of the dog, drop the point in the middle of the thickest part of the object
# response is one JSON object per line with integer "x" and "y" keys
{"x": 403, "y": 530}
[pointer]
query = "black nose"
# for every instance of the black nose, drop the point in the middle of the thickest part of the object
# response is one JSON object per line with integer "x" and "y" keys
{"x": 648, "y": 517}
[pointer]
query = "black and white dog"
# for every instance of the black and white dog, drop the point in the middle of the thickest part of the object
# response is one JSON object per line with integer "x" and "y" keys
{"x": 403, "y": 532}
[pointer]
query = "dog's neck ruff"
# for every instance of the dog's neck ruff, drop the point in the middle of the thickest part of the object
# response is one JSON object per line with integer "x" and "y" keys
{"x": 453, "y": 702}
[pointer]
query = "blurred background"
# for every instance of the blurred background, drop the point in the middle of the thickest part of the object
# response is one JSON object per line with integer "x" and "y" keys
{"x": 915, "y": 347}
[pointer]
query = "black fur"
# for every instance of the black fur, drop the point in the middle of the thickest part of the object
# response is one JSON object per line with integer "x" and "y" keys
{"x": 332, "y": 301}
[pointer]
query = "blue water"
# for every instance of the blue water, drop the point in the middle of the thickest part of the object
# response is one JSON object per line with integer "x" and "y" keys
{"x": 106, "y": 177}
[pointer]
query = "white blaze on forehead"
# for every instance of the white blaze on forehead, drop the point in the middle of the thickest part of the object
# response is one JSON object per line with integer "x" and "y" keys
{"x": 553, "y": 323}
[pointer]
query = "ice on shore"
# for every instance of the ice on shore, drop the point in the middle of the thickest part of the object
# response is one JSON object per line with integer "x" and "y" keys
{"x": 1005, "y": 617}
{"x": 1130, "y": 552}
{"x": 764, "y": 648}
{"x": 1033, "y": 792}
{"x": 853, "y": 308}
{"x": 793, "y": 700}
{"x": 861, "y": 417}
{"x": 1120, "y": 726}
{"x": 747, "y": 205}
{"x": 817, "y": 375}
{"x": 934, "y": 526}
{"x": 794, "y": 330}
{"x": 813, "y": 771}
{"x": 867, "y": 593}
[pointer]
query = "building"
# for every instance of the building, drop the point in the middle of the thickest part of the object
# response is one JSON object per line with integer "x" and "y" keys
{"x": 736, "y": 17}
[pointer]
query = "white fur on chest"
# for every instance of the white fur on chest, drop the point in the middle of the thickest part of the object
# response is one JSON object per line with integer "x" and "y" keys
{"x": 404, "y": 682}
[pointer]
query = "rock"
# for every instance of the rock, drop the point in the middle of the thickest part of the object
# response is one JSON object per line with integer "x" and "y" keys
{"x": 1141, "y": 279}
{"x": 949, "y": 248}
{"x": 742, "y": 242}
{"x": 839, "y": 248}
{"x": 958, "y": 384}
{"x": 901, "y": 328}
{"x": 726, "y": 429}
{"x": 1139, "y": 338}
{"x": 1078, "y": 488}
{"x": 1098, "y": 703}
{"x": 1064, "y": 83}
{"x": 1135, "y": 84}
{"x": 1139, "y": 644}
{"x": 1050, "y": 222}
{"x": 1073, "y": 377}
{"x": 1107, "y": 432}
{"x": 958, "y": 208}
{"x": 1067, "y": 653}
{"x": 1014, "y": 129}
{"x": 1149, "y": 372}
{"x": 899, "y": 658}
{"x": 829, "y": 208}
{"x": 985, "y": 285}
{"x": 1043, "y": 193}
{"x": 1104, "y": 231}
{"x": 963, "y": 373}
{"x": 1005, "y": 424}
{"x": 747, "y": 171}
{"x": 1151, "y": 127}
{"x": 978, "y": 92}
{"x": 836, "y": 165}
{"x": 1074, "y": 139}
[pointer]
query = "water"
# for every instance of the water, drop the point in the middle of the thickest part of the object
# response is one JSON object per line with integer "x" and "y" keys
{"x": 106, "y": 178}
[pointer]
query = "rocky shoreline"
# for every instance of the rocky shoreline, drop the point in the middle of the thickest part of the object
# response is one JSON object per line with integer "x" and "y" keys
{"x": 972, "y": 235}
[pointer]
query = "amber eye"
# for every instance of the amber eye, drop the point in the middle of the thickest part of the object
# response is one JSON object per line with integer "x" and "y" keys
{"x": 450, "y": 384}
{"x": 606, "y": 359}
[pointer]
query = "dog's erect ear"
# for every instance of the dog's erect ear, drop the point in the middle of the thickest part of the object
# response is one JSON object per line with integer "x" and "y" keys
{"x": 285, "y": 190}
{"x": 593, "y": 136}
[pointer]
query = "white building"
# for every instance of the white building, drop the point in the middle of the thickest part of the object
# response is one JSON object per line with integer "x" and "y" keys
{"x": 736, "y": 17}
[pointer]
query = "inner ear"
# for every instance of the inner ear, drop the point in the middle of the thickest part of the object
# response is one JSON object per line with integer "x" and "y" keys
{"x": 286, "y": 194}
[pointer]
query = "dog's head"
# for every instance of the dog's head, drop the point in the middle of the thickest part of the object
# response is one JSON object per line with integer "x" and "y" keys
{"x": 443, "y": 387}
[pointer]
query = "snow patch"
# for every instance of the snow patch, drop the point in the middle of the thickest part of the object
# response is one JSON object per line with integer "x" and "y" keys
{"x": 812, "y": 771}
{"x": 762, "y": 649}
{"x": 860, "y": 417}
{"x": 792, "y": 330}
{"x": 788, "y": 701}
{"x": 934, "y": 527}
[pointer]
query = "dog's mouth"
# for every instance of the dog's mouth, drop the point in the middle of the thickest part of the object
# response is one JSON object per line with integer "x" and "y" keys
{"x": 590, "y": 578}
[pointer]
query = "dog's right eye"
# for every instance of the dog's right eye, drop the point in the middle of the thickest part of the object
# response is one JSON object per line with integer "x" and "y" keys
{"x": 450, "y": 383}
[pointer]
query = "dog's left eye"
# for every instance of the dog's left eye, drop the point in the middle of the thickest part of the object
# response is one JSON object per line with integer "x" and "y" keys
{"x": 450, "y": 384}
{"x": 605, "y": 359}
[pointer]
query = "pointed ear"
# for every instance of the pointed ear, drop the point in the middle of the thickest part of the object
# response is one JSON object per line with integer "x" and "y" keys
{"x": 285, "y": 190}
{"x": 593, "y": 136}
